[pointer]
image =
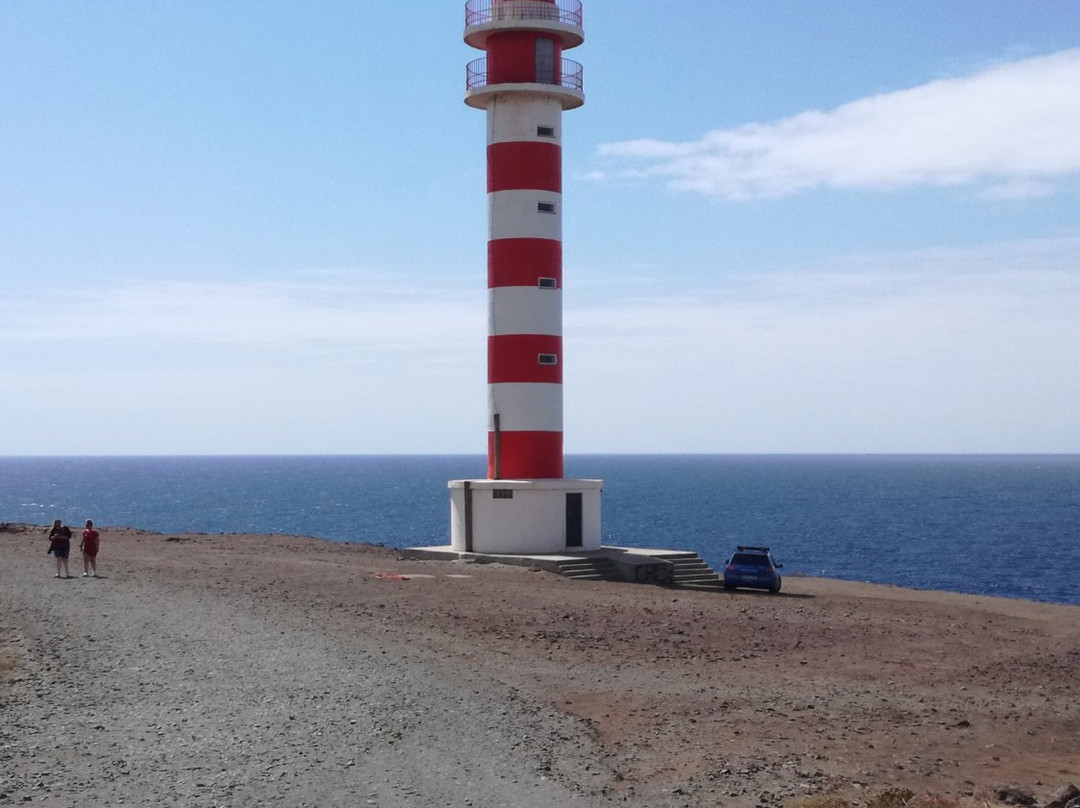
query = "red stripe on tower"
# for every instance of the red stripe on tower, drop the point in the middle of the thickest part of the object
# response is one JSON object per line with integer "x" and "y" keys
{"x": 524, "y": 262}
{"x": 524, "y": 359}
{"x": 524, "y": 164}
{"x": 526, "y": 455}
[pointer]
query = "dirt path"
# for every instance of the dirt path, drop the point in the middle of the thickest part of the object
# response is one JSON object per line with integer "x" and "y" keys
{"x": 271, "y": 670}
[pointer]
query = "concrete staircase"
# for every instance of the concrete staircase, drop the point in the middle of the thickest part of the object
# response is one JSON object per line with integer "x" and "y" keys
{"x": 588, "y": 569}
{"x": 693, "y": 573}
{"x": 688, "y": 570}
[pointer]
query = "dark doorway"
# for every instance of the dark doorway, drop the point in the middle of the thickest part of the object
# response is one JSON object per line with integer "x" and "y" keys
{"x": 573, "y": 520}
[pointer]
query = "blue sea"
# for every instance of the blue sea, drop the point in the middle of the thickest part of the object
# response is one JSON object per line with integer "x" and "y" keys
{"x": 991, "y": 525}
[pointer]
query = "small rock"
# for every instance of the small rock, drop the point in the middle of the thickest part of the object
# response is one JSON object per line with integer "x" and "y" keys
{"x": 1015, "y": 796}
{"x": 1065, "y": 797}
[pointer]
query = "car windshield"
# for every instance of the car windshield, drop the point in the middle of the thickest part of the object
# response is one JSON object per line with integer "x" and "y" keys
{"x": 751, "y": 560}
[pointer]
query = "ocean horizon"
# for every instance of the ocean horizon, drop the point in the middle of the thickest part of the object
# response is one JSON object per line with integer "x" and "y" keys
{"x": 1002, "y": 525}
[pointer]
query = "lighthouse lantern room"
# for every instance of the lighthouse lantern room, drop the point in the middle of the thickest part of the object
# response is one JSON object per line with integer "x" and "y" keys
{"x": 524, "y": 83}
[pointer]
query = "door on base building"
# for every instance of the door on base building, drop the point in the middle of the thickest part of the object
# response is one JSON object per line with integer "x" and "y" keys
{"x": 573, "y": 520}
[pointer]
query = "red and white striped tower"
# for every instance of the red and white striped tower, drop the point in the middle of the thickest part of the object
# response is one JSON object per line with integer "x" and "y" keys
{"x": 524, "y": 84}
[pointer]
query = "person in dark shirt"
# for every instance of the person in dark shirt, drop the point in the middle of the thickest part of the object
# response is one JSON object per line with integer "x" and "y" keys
{"x": 60, "y": 546}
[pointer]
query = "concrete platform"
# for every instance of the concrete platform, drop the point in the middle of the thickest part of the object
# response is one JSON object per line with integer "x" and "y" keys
{"x": 678, "y": 568}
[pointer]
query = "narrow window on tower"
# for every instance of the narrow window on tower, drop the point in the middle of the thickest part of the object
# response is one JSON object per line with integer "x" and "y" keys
{"x": 545, "y": 207}
{"x": 545, "y": 131}
{"x": 502, "y": 493}
{"x": 547, "y": 283}
{"x": 547, "y": 359}
{"x": 545, "y": 61}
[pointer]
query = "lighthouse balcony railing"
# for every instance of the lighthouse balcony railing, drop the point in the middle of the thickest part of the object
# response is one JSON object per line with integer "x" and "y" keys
{"x": 482, "y": 12}
{"x": 566, "y": 73}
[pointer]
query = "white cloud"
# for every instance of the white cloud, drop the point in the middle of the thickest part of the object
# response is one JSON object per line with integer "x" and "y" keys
{"x": 1013, "y": 128}
{"x": 938, "y": 350}
{"x": 945, "y": 350}
{"x": 296, "y": 316}
{"x": 366, "y": 363}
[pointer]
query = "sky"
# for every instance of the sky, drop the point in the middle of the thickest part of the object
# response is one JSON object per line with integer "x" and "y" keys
{"x": 259, "y": 227}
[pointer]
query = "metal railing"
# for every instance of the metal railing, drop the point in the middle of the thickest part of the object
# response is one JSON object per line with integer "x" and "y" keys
{"x": 569, "y": 74}
{"x": 481, "y": 12}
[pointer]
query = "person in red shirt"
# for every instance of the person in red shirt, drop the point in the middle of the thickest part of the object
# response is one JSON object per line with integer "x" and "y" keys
{"x": 89, "y": 547}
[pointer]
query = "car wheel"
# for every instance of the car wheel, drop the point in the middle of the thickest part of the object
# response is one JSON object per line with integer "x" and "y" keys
{"x": 775, "y": 587}
{"x": 729, "y": 587}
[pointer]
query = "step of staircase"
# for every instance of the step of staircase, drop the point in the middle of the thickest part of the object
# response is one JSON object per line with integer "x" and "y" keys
{"x": 589, "y": 569}
{"x": 690, "y": 571}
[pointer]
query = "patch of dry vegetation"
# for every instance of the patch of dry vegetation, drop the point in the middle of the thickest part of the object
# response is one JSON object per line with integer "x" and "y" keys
{"x": 895, "y": 797}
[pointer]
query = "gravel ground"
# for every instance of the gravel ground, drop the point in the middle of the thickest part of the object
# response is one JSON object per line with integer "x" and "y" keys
{"x": 138, "y": 692}
{"x": 251, "y": 670}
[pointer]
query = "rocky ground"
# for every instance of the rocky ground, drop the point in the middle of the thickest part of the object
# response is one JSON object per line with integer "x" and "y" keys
{"x": 252, "y": 670}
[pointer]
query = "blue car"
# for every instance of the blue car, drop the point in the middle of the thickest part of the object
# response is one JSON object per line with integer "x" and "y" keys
{"x": 752, "y": 568}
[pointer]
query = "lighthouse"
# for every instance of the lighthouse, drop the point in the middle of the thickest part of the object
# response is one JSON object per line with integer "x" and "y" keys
{"x": 524, "y": 84}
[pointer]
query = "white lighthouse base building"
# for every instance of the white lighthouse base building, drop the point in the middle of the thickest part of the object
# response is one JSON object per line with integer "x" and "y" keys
{"x": 525, "y": 516}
